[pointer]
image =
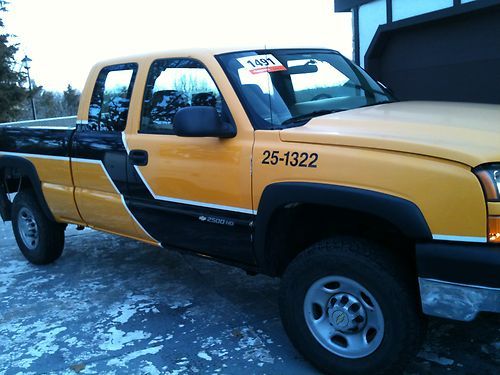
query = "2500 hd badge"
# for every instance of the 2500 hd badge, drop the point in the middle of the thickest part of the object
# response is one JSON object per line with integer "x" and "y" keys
{"x": 216, "y": 220}
{"x": 293, "y": 163}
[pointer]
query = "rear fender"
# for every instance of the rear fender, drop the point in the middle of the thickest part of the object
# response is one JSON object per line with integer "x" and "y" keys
{"x": 24, "y": 168}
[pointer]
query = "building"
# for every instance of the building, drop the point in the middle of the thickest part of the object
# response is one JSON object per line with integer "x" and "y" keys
{"x": 429, "y": 49}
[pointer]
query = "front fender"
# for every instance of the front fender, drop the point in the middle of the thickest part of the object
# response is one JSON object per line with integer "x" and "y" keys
{"x": 403, "y": 214}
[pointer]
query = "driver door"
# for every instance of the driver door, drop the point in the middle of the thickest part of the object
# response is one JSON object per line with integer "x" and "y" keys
{"x": 189, "y": 192}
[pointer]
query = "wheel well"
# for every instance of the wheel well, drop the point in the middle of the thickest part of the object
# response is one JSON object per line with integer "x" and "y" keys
{"x": 12, "y": 181}
{"x": 295, "y": 227}
{"x": 15, "y": 180}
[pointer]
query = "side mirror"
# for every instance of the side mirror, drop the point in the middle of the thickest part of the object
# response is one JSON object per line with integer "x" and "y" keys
{"x": 198, "y": 121}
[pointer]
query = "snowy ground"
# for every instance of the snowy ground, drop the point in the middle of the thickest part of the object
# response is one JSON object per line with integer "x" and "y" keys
{"x": 115, "y": 306}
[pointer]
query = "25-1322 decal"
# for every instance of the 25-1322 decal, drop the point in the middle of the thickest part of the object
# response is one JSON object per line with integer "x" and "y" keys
{"x": 293, "y": 159}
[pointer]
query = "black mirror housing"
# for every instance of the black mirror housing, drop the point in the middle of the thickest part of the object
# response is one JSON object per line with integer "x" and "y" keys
{"x": 201, "y": 121}
{"x": 302, "y": 69}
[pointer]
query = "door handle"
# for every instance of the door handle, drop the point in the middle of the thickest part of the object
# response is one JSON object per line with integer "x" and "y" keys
{"x": 138, "y": 157}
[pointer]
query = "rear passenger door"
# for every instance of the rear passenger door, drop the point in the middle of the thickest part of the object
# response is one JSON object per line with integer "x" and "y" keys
{"x": 193, "y": 193}
{"x": 99, "y": 157}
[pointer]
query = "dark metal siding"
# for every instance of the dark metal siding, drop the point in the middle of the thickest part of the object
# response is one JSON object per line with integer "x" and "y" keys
{"x": 441, "y": 56}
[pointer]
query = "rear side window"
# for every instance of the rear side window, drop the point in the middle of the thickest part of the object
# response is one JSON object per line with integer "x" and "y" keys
{"x": 173, "y": 84}
{"x": 111, "y": 98}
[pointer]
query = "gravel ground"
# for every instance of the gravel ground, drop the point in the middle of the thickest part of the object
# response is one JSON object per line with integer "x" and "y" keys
{"x": 115, "y": 306}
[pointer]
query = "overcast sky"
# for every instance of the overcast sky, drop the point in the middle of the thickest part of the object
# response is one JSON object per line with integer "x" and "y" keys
{"x": 64, "y": 38}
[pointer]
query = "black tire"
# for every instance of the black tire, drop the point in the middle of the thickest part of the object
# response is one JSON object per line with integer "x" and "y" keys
{"x": 368, "y": 265}
{"x": 44, "y": 242}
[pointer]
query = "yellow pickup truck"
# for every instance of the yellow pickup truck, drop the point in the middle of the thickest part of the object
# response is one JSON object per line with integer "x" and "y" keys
{"x": 293, "y": 163}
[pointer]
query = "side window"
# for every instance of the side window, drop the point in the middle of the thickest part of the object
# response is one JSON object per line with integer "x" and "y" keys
{"x": 111, "y": 98}
{"x": 173, "y": 84}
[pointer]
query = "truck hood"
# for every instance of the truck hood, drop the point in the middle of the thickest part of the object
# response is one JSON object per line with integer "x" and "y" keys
{"x": 462, "y": 132}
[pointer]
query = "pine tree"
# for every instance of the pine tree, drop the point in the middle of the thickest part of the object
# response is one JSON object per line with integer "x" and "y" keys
{"x": 12, "y": 94}
{"x": 49, "y": 104}
{"x": 70, "y": 101}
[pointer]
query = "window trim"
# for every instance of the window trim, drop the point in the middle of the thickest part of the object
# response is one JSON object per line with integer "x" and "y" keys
{"x": 107, "y": 69}
{"x": 171, "y": 132}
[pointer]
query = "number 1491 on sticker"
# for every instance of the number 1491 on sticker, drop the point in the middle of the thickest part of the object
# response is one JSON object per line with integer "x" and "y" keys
{"x": 261, "y": 63}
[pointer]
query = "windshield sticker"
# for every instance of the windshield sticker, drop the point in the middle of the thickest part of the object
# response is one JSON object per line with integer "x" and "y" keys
{"x": 261, "y": 64}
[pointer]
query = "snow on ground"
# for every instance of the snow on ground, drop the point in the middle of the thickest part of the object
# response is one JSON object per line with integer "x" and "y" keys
{"x": 114, "y": 306}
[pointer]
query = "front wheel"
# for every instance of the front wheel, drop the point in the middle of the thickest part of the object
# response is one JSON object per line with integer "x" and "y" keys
{"x": 40, "y": 239}
{"x": 346, "y": 309}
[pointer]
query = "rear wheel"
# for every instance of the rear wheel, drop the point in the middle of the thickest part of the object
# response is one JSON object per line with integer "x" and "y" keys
{"x": 40, "y": 239}
{"x": 348, "y": 311}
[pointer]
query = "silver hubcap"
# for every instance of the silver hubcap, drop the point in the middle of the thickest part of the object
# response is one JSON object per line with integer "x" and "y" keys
{"x": 28, "y": 228}
{"x": 344, "y": 317}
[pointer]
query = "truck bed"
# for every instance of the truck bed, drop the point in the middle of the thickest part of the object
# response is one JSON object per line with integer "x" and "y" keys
{"x": 48, "y": 137}
{"x": 58, "y": 122}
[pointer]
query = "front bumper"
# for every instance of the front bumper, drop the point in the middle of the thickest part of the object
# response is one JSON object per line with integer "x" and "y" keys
{"x": 458, "y": 280}
{"x": 457, "y": 301}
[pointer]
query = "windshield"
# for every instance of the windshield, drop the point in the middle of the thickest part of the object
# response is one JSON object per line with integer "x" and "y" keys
{"x": 284, "y": 88}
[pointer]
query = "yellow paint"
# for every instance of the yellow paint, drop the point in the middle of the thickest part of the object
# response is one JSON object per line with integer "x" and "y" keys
{"x": 461, "y": 132}
{"x": 57, "y": 188}
{"x": 54, "y": 171}
{"x": 207, "y": 170}
{"x": 448, "y": 194}
{"x": 105, "y": 211}
{"x": 61, "y": 202}
{"x": 91, "y": 173}
{"x": 376, "y": 148}
{"x": 494, "y": 208}
{"x": 101, "y": 205}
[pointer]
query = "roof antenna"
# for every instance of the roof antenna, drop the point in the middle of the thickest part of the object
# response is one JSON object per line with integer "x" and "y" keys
{"x": 269, "y": 89}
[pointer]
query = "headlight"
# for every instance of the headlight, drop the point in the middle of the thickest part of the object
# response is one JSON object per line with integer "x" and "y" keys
{"x": 489, "y": 176}
{"x": 494, "y": 229}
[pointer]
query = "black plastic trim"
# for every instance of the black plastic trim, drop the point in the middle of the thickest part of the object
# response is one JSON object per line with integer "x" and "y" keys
{"x": 237, "y": 218}
{"x": 213, "y": 232}
{"x": 388, "y": 10}
{"x": 460, "y": 262}
{"x": 486, "y": 167}
{"x": 249, "y": 268}
{"x": 357, "y": 50}
{"x": 401, "y": 213}
{"x": 5, "y": 204}
{"x": 26, "y": 168}
{"x": 348, "y": 5}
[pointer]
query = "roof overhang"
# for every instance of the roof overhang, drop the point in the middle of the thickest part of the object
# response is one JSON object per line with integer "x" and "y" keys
{"x": 348, "y": 5}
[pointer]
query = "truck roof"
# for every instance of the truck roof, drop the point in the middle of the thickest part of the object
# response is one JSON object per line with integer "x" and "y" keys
{"x": 199, "y": 52}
